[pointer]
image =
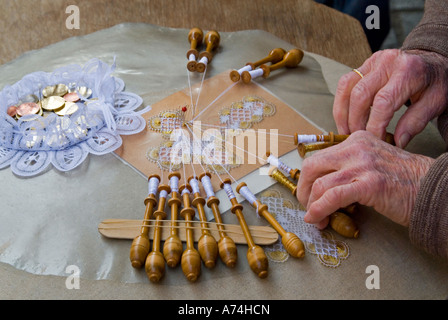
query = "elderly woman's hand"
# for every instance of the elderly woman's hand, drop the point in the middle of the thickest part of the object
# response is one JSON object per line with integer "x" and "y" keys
{"x": 363, "y": 170}
{"x": 391, "y": 78}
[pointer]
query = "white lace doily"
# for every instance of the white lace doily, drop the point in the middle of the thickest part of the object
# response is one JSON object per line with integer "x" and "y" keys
{"x": 30, "y": 146}
{"x": 329, "y": 251}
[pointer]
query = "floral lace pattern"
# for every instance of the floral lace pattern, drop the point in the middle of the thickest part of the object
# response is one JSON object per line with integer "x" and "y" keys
{"x": 329, "y": 251}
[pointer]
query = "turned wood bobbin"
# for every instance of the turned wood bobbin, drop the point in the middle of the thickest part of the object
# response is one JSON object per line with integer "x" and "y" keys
{"x": 191, "y": 260}
{"x": 212, "y": 40}
{"x": 226, "y": 246}
{"x": 195, "y": 37}
{"x": 141, "y": 244}
{"x": 173, "y": 248}
{"x": 274, "y": 56}
{"x": 291, "y": 60}
{"x": 292, "y": 243}
{"x": 257, "y": 259}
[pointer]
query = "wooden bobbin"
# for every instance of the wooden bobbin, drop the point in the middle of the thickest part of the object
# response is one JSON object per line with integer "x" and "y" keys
{"x": 331, "y": 138}
{"x": 344, "y": 225}
{"x": 274, "y": 56}
{"x": 278, "y": 176}
{"x": 303, "y": 148}
{"x": 293, "y": 245}
{"x": 226, "y": 246}
{"x": 191, "y": 260}
{"x": 294, "y": 173}
{"x": 195, "y": 37}
{"x": 155, "y": 262}
{"x": 291, "y": 60}
{"x": 211, "y": 40}
{"x": 141, "y": 244}
{"x": 172, "y": 248}
{"x": 207, "y": 245}
{"x": 257, "y": 259}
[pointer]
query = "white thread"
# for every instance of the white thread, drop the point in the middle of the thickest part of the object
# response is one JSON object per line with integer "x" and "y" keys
{"x": 256, "y": 73}
{"x": 204, "y": 60}
{"x": 246, "y": 68}
{"x": 272, "y": 160}
{"x": 163, "y": 194}
{"x": 153, "y": 185}
{"x": 248, "y": 195}
{"x": 277, "y": 163}
{"x": 185, "y": 191}
{"x": 229, "y": 191}
{"x": 192, "y": 57}
{"x": 174, "y": 184}
{"x": 207, "y": 184}
{"x": 194, "y": 185}
{"x": 220, "y": 95}
{"x": 304, "y": 138}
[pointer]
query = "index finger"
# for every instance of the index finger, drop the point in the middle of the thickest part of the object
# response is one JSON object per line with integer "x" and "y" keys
{"x": 314, "y": 167}
{"x": 342, "y": 101}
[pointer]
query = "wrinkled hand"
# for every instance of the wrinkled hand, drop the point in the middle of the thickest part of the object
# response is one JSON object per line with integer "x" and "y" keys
{"x": 363, "y": 170}
{"x": 391, "y": 78}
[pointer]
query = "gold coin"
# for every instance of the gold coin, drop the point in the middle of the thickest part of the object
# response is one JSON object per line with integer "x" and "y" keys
{"x": 53, "y": 103}
{"x": 59, "y": 90}
{"x": 68, "y": 109}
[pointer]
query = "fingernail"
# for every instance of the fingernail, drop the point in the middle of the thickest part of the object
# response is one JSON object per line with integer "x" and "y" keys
{"x": 404, "y": 140}
{"x": 306, "y": 218}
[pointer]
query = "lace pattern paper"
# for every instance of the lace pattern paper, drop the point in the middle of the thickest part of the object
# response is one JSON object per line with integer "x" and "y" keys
{"x": 32, "y": 143}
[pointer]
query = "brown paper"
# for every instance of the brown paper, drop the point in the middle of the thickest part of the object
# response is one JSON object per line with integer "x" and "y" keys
{"x": 274, "y": 133}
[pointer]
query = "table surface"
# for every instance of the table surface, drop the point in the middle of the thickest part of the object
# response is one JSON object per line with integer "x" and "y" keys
{"x": 406, "y": 272}
{"x": 303, "y": 23}
{"x": 106, "y": 188}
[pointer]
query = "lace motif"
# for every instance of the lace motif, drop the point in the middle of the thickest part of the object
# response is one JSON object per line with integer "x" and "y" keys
{"x": 30, "y": 147}
{"x": 329, "y": 251}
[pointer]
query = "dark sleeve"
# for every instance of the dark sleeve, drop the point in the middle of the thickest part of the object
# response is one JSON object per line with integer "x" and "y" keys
{"x": 431, "y": 33}
{"x": 428, "y": 227}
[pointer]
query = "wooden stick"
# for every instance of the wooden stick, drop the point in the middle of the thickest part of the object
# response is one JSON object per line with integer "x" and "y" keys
{"x": 124, "y": 229}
